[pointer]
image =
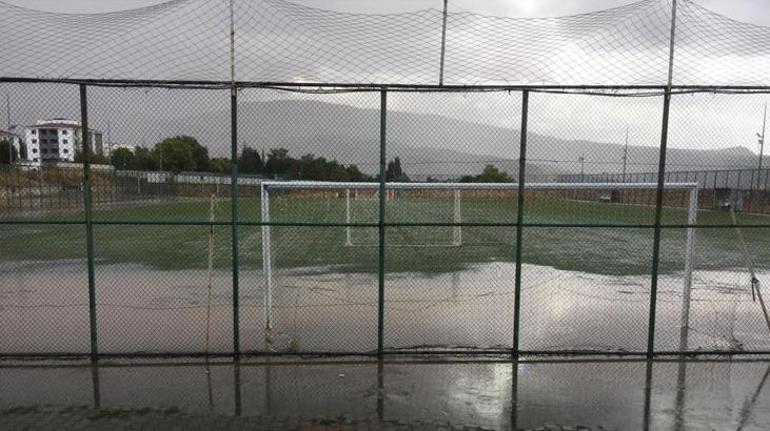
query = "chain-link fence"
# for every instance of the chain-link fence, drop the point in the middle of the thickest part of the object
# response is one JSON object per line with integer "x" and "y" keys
{"x": 146, "y": 216}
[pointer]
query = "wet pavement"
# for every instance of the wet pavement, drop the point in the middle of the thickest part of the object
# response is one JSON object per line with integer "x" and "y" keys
{"x": 436, "y": 392}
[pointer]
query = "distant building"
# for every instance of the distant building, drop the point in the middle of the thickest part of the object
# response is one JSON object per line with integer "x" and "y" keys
{"x": 14, "y": 139}
{"x": 57, "y": 140}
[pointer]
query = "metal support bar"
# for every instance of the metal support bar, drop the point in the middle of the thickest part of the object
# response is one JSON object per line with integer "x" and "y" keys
{"x": 457, "y": 233}
{"x": 443, "y": 45}
{"x": 234, "y": 216}
{"x": 348, "y": 233}
{"x": 267, "y": 261}
{"x": 692, "y": 214}
{"x": 660, "y": 189}
{"x": 755, "y": 288}
{"x": 520, "y": 219}
{"x": 381, "y": 267}
{"x": 89, "y": 220}
{"x": 658, "y": 222}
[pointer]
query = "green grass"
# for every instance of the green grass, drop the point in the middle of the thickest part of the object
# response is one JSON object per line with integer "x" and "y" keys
{"x": 615, "y": 250}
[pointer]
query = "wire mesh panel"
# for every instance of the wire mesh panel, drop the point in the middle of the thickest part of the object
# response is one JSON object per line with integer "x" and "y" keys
{"x": 43, "y": 277}
{"x": 44, "y": 285}
{"x": 163, "y": 289}
{"x": 722, "y": 311}
{"x": 303, "y": 273}
{"x": 449, "y": 243}
{"x": 587, "y": 240}
{"x": 164, "y": 153}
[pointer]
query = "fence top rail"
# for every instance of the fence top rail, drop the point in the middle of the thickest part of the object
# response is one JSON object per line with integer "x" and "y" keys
{"x": 620, "y": 90}
{"x": 466, "y": 186}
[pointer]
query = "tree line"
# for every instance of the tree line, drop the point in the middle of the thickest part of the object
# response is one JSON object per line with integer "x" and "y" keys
{"x": 185, "y": 153}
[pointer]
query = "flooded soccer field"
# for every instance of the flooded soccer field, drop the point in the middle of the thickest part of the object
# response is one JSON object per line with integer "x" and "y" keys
{"x": 316, "y": 309}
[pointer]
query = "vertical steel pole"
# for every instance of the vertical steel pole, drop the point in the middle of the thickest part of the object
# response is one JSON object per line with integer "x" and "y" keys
{"x": 689, "y": 256}
{"x": 381, "y": 268}
{"x": 647, "y": 395}
{"x": 457, "y": 233}
{"x": 234, "y": 189}
{"x": 348, "y": 236}
{"x": 659, "y": 193}
{"x": 234, "y": 216}
{"x": 267, "y": 261}
{"x": 443, "y": 45}
{"x": 520, "y": 220}
{"x": 89, "y": 219}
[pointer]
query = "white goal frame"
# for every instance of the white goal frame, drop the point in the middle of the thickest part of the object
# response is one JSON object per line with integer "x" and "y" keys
{"x": 267, "y": 266}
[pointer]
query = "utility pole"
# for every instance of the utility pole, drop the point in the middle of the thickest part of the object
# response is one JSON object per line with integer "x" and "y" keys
{"x": 625, "y": 156}
{"x": 582, "y": 160}
{"x": 8, "y": 124}
{"x": 443, "y": 44}
{"x": 761, "y": 146}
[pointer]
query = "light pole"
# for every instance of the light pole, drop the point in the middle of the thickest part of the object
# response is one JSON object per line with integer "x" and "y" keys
{"x": 582, "y": 160}
{"x": 625, "y": 156}
{"x": 8, "y": 123}
{"x": 761, "y": 145}
{"x": 761, "y": 138}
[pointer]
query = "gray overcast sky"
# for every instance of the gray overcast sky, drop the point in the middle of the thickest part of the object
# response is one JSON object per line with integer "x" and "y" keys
{"x": 596, "y": 118}
{"x": 755, "y": 11}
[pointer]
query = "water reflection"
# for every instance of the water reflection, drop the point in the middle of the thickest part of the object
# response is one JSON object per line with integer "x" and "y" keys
{"x": 614, "y": 394}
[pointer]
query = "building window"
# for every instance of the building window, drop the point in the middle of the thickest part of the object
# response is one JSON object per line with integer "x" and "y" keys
{"x": 45, "y": 150}
{"x": 34, "y": 141}
{"x": 34, "y": 151}
{"x": 35, "y": 159}
{"x": 34, "y": 132}
{"x": 65, "y": 141}
{"x": 65, "y": 151}
{"x": 63, "y": 132}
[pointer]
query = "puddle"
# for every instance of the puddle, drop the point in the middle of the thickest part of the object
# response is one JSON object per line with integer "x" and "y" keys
{"x": 44, "y": 308}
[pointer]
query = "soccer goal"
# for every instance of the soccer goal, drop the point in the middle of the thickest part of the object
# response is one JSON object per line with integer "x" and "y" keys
{"x": 444, "y": 214}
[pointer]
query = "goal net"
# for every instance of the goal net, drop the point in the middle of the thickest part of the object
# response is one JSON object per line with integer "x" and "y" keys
{"x": 459, "y": 217}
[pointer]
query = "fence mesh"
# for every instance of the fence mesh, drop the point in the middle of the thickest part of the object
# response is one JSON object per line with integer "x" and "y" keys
{"x": 283, "y": 212}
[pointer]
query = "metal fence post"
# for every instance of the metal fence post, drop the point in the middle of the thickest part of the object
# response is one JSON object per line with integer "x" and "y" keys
{"x": 520, "y": 219}
{"x": 234, "y": 215}
{"x": 381, "y": 267}
{"x": 85, "y": 136}
{"x": 659, "y": 192}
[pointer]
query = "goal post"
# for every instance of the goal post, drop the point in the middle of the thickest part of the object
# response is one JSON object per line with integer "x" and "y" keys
{"x": 352, "y": 192}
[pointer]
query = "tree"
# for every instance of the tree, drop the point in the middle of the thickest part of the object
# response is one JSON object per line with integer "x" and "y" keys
{"x": 182, "y": 153}
{"x": 393, "y": 171}
{"x": 96, "y": 159}
{"x": 5, "y": 145}
{"x": 220, "y": 165}
{"x": 122, "y": 158}
{"x": 144, "y": 160}
{"x": 249, "y": 162}
{"x": 490, "y": 174}
{"x": 279, "y": 163}
{"x": 356, "y": 175}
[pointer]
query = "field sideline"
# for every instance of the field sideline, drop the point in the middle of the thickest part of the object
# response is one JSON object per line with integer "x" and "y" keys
{"x": 602, "y": 250}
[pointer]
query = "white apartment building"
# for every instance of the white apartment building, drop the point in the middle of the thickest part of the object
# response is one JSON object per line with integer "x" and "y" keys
{"x": 57, "y": 140}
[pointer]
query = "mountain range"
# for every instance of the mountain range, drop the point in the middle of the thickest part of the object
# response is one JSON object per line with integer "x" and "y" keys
{"x": 428, "y": 145}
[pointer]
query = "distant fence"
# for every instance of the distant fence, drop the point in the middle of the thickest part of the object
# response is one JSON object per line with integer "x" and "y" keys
{"x": 745, "y": 189}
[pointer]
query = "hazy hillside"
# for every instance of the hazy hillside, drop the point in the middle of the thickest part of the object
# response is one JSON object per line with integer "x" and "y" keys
{"x": 427, "y": 144}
